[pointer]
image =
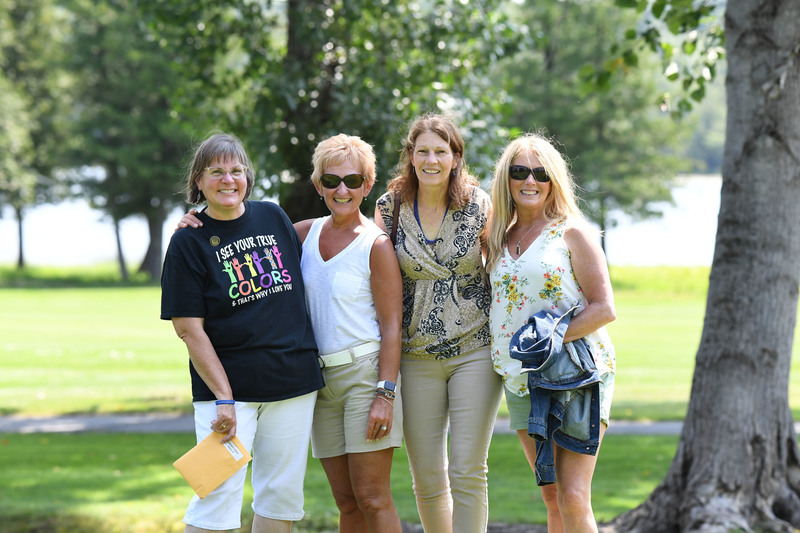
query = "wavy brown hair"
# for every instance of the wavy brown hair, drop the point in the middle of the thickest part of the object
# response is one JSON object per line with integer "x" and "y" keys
{"x": 406, "y": 181}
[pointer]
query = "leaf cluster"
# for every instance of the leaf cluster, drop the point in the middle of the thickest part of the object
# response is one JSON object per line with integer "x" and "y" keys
{"x": 688, "y": 37}
{"x": 620, "y": 145}
{"x": 285, "y": 76}
{"x": 31, "y": 110}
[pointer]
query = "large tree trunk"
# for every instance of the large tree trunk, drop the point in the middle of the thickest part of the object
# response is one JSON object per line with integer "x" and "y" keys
{"x": 737, "y": 466}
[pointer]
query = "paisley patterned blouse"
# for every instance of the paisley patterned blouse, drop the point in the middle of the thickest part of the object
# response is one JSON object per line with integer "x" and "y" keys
{"x": 446, "y": 294}
{"x": 541, "y": 279}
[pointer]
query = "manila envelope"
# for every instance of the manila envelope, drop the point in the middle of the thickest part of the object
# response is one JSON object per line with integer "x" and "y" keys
{"x": 210, "y": 463}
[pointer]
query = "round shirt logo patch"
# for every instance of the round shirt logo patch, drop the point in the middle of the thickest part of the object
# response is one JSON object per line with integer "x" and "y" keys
{"x": 214, "y": 241}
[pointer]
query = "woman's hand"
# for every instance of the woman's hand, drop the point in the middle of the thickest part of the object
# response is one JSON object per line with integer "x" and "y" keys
{"x": 381, "y": 414}
{"x": 189, "y": 219}
{"x": 225, "y": 421}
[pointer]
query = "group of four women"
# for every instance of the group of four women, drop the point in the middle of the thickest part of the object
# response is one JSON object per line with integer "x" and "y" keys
{"x": 401, "y": 325}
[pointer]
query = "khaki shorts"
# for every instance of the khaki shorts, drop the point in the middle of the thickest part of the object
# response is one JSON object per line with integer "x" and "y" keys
{"x": 342, "y": 411}
{"x": 519, "y": 407}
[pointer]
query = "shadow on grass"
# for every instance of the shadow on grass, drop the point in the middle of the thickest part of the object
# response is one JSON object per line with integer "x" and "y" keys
{"x": 70, "y": 277}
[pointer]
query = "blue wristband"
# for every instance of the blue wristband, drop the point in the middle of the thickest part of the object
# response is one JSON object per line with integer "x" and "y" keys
{"x": 225, "y": 402}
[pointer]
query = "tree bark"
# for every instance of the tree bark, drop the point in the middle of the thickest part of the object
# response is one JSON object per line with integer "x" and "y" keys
{"x": 302, "y": 200}
{"x": 152, "y": 258}
{"x": 18, "y": 210}
{"x": 737, "y": 466}
{"x": 123, "y": 268}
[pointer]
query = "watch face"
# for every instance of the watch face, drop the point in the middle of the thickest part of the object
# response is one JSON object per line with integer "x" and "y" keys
{"x": 388, "y": 385}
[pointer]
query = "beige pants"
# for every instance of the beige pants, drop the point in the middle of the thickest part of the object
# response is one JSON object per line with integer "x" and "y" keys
{"x": 465, "y": 392}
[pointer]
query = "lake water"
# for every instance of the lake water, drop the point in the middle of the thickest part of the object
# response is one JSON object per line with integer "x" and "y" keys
{"x": 71, "y": 233}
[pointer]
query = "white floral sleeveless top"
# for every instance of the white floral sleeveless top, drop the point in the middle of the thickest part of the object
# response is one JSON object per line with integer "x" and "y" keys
{"x": 540, "y": 279}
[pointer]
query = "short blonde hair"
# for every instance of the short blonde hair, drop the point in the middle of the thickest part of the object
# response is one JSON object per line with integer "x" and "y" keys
{"x": 219, "y": 146}
{"x": 340, "y": 148}
{"x": 561, "y": 202}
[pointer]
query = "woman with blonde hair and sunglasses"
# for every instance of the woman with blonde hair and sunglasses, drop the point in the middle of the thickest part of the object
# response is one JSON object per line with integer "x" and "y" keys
{"x": 543, "y": 256}
{"x": 354, "y": 295}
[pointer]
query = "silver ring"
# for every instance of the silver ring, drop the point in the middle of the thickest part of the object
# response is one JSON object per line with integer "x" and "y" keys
{"x": 384, "y": 428}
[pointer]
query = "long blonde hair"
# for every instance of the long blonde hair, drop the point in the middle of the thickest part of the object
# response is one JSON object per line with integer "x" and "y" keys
{"x": 561, "y": 202}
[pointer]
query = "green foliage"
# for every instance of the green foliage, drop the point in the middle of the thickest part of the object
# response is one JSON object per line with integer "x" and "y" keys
{"x": 690, "y": 39}
{"x": 17, "y": 180}
{"x": 706, "y": 144}
{"x": 286, "y": 79}
{"x": 125, "y": 123}
{"x": 32, "y": 110}
{"x": 620, "y": 145}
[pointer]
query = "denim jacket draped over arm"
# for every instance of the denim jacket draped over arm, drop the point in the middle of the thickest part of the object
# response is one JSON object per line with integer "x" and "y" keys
{"x": 564, "y": 389}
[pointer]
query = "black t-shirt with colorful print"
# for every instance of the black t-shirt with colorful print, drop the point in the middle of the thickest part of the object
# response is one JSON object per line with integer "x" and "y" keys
{"x": 243, "y": 277}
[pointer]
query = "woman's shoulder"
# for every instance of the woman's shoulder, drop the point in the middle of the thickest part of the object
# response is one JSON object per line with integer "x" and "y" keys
{"x": 370, "y": 228}
{"x": 480, "y": 198}
{"x": 477, "y": 194}
{"x": 265, "y": 206}
{"x": 303, "y": 228}
{"x": 386, "y": 199}
{"x": 577, "y": 229}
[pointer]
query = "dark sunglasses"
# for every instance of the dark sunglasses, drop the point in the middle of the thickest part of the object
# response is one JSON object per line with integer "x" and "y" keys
{"x": 332, "y": 181}
{"x": 521, "y": 173}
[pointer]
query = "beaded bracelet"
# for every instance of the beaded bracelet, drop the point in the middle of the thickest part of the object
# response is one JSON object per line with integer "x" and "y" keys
{"x": 385, "y": 399}
{"x": 225, "y": 402}
{"x": 385, "y": 393}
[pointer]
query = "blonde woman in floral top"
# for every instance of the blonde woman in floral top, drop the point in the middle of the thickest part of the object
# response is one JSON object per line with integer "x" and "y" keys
{"x": 544, "y": 256}
{"x": 446, "y": 369}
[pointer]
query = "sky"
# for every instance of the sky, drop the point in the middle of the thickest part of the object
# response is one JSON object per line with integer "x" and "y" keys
{"x": 72, "y": 234}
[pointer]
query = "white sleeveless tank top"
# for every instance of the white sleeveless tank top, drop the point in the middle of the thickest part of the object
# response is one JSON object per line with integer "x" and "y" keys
{"x": 338, "y": 291}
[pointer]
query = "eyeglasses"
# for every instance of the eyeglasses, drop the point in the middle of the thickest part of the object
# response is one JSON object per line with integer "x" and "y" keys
{"x": 332, "y": 181}
{"x": 521, "y": 173}
{"x": 216, "y": 173}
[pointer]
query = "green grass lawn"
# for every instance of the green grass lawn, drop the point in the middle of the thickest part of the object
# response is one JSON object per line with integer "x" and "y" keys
{"x": 103, "y": 349}
{"x": 87, "y": 483}
{"x": 81, "y": 342}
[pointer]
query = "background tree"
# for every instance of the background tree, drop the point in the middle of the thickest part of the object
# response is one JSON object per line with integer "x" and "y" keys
{"x": 623, "y": 148}
{"x": 295, "y": 72}
{"x": 126, "y": 124}
{"x": 33, "y": 107}
{"x": 737, "y": 466}
{"x": 17, "y": 180}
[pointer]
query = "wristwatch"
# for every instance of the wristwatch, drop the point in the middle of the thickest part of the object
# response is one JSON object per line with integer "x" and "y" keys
{"x": 386, "y": 385}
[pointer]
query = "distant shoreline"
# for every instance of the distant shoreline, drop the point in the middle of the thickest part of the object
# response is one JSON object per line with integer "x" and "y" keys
{"x": 72, "y": 233}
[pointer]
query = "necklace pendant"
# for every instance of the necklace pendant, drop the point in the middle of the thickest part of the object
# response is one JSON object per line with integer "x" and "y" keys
{"x": 518, "y": 248}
